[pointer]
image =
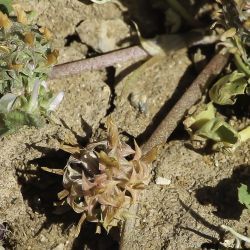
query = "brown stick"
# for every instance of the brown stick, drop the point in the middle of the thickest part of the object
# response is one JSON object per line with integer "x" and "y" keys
{"x": 98, "y": 62}
{"x": 169, "y": 123}
{"x": 166, "y": 42}
{"x": 190, "y": 97}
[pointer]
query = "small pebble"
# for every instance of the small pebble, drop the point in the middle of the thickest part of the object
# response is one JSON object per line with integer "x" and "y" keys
{"x": 139, "y": 102}
{"x": 162, "y": 181}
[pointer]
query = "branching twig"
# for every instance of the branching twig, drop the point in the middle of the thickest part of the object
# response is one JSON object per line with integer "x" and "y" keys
{"x": 98, "y": 62}
{"x": 169, "y": 123}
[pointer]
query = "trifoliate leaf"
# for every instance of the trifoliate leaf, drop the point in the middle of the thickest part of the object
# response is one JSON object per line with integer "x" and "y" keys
{"x": 225, "y": 90}
{"x": 244, "y": 195}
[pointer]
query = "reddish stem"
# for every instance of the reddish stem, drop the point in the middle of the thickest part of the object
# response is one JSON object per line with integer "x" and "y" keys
{"x": 98, "y": 62}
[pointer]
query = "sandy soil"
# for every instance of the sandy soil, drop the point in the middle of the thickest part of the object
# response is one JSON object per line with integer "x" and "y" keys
{"x": 202, "y": 195}
{"x": 202, "y": 189}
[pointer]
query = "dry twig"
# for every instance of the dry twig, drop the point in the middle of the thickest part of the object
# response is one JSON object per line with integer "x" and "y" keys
{"x": 98, "y": 62}
{"x": 169, "y": 123}
{"x": 165, "y": 42}
{"x": 189, "y": 98}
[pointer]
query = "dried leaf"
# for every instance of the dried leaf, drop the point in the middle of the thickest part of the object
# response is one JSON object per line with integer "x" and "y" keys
{"x": 54, "y": 171}
{"x": 103, "y": 184}
{"x": 107, "y": 161}
{"x": 70, "y": 149}
{"x": 63, "y": 194}
{"x": 4, "y": 49}
{"x": 5, "y": 22}
{"x": 113, "y": 134}
{"x": 16, "y": 66}
{"x": 79, "y": 225}
{"x": 228, "y": 34}
{"x": 86, "y": 184}
{"x": 29, "y": 38}
{"x": 46, "y": 32}
{"x": 21, "y": 15}
{"x": 151, "y": 155}
{"x": 126, "y": 150}
{"x": 138, "y": 152}
{"x": 52, "y": 57}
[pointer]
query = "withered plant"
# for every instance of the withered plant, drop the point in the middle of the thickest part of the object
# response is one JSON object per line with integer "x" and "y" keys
{"x": 103, "y": 179}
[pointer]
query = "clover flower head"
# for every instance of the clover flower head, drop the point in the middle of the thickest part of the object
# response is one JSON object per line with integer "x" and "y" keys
{"x": 103, "y": 179}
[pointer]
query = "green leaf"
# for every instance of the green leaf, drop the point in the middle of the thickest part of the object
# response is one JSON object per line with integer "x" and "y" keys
{"x": 225, "y": 90}
{"x": 6, "y": 6}
{"x": 202, "y": 116}
{"x": 219, "y": 131}
{"x": 6, "y": 102}
{"x": 204, "y": 124}
{"x": 16, "y": 119}
{"x": 244, "y": 195}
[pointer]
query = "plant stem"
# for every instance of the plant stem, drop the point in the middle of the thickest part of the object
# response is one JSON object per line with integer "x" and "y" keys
{"x": 98, "y": 62}
{"x": 33, "y": 102}
{"x": 189, "y": 98}
{"x": 240, "y": 64}
{"x": 170, "y": 122}
{"x": 166, "y": 42}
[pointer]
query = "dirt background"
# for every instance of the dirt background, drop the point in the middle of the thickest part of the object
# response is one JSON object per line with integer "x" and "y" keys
{"x": 202, "y": 188}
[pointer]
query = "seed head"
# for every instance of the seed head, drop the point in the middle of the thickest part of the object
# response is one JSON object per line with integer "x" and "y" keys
{"x": 103, "y": 179}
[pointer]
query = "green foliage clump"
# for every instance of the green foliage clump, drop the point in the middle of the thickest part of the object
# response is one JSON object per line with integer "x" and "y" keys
{"x": 26, "y": 59}
{"x": 208, "y": 124}
{"x": 236, "y": 40}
